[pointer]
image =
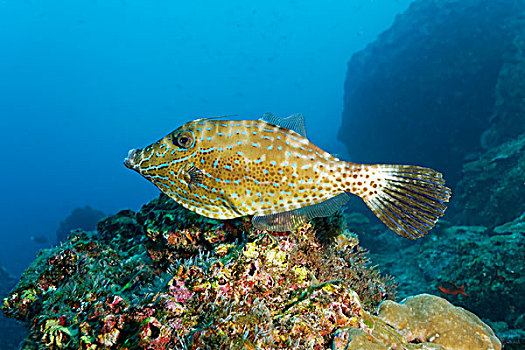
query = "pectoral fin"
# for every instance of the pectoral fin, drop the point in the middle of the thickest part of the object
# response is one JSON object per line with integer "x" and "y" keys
{"x": 193, "y": 176}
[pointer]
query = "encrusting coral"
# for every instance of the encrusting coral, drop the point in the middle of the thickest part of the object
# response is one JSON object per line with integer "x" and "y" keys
{"x": 166, "y": 278}
{"x": 428, "y": 318}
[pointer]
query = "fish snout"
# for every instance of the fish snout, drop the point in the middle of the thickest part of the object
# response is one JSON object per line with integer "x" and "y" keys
{"x": 130, "y": 160}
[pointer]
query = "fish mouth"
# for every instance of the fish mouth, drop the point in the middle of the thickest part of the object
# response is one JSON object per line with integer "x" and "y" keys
{"x": 129, "y": 161}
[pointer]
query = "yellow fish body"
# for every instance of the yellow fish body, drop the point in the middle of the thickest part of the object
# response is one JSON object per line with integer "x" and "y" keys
{"x": 267, "y": 168}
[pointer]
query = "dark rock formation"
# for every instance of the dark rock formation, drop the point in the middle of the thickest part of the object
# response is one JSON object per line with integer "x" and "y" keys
{"x": 428, "y": 88}
{"x": 508, "y": 117}
{"x": 83, "y": 218}
{"x": 492, "y": 190}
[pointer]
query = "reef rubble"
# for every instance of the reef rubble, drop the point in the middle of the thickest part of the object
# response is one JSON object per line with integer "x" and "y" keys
{"x": 167, "y": 278}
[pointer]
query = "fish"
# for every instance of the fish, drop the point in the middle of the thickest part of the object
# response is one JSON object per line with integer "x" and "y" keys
{"x": 39, "y": 239}
{"x": 452, "y": 289}
{"x": 268, "y": 169}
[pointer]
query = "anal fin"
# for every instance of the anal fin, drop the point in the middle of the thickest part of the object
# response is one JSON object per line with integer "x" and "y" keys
{"x": 290, "y": 220}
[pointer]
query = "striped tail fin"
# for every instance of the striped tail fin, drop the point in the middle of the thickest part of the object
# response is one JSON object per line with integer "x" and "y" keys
{"x": 408, "y": 199}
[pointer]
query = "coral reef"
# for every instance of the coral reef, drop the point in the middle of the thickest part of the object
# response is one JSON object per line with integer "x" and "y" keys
{"x": 167, "y": 278}
{"x": 11, "y": 332}
{"x": 85, "y": 218}
{"x": 491, "y": 267}
{"x": 448, "y": 75}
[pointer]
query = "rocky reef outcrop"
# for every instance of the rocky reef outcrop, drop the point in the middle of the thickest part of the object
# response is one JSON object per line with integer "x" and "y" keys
{"x": 445, "y": 87}
{"x": 11, "y": 332}
{"x": 443, "y": 83}
{"x": 492, "y": 188}
{"x": 85, "y": 218}
{"x": 489, "y": 265}
{"x": 167, "y": 278}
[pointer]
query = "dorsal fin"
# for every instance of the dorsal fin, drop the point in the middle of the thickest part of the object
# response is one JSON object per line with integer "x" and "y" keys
{"x": 215, "y": 117}
{"x": 290, "y": 220}
{"x": 293, "y": 122}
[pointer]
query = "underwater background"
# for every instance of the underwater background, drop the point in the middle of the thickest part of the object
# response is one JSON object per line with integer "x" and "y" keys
{"x": 436, "y": 83}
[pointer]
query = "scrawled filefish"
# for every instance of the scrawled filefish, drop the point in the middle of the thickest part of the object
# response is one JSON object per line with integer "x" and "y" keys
{"x": 267, "y": 168}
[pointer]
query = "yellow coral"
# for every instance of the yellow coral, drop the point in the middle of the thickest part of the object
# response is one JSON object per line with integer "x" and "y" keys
{"x": 251, "y": 250}
{"x": 54, "y": 335}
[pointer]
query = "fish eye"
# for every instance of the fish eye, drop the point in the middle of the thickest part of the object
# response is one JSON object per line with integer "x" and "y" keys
{"x": 184, "y": 139}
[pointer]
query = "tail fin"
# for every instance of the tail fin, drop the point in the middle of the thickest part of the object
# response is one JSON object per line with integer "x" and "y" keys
{"x": 408, "y": 199}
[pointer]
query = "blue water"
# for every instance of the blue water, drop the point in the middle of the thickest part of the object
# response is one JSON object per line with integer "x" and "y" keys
{"x": 81, "y": 82}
